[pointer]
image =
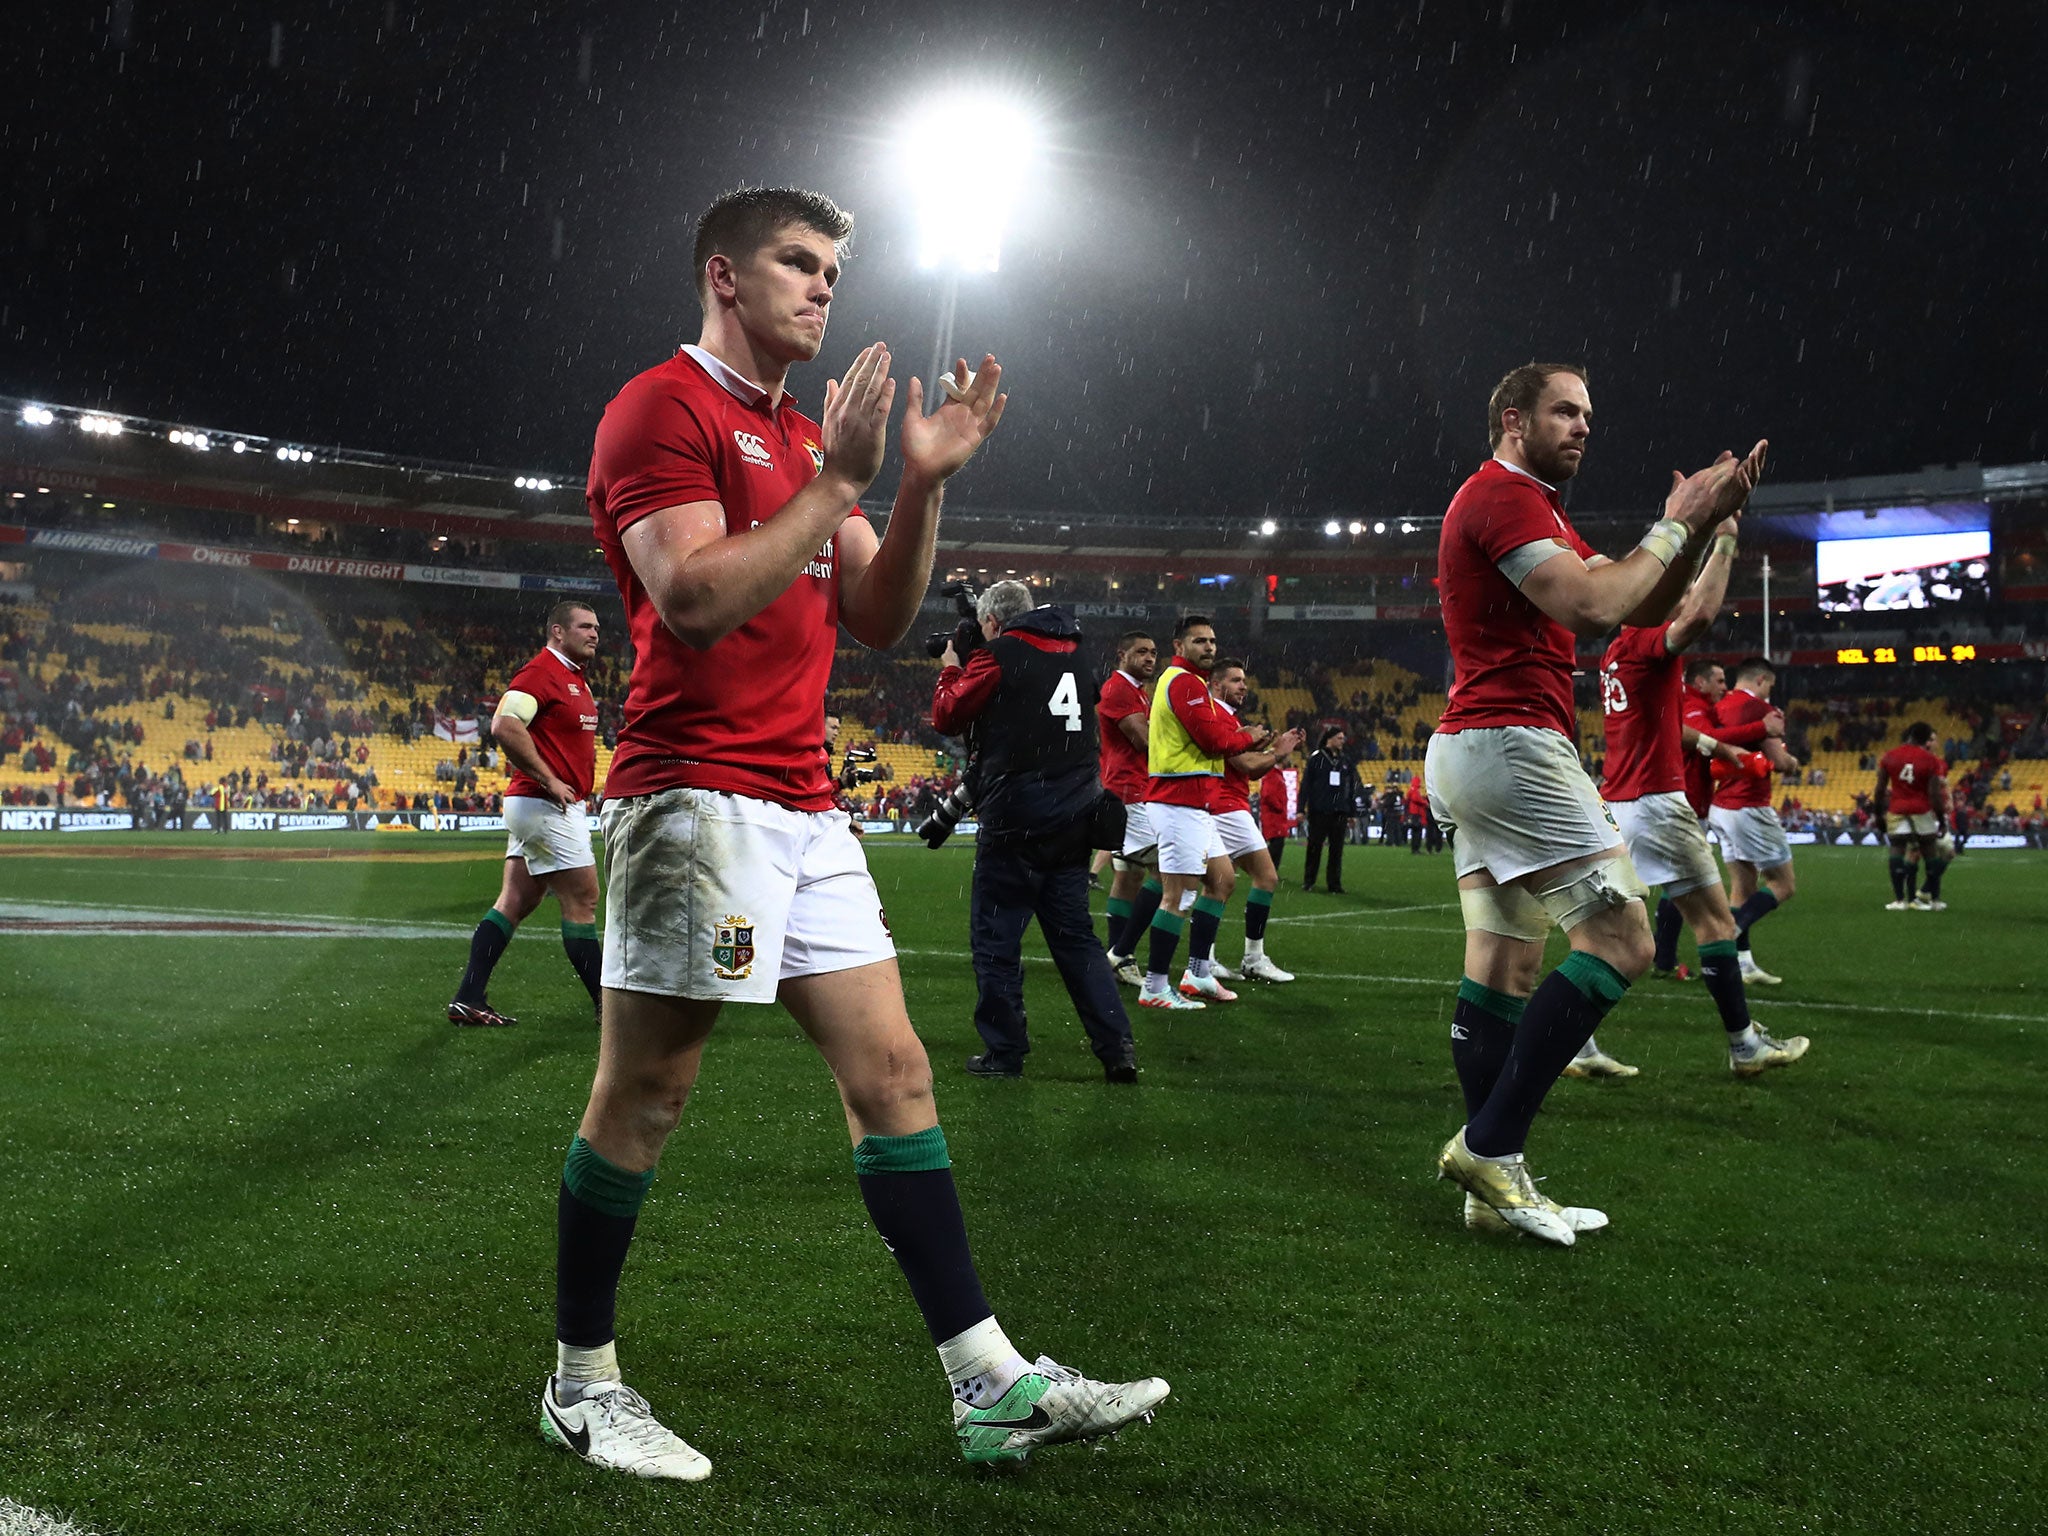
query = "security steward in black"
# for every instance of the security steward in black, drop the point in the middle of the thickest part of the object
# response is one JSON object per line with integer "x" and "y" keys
{"x": 1041, "y": 809}
{"x": 1326, "y": 785}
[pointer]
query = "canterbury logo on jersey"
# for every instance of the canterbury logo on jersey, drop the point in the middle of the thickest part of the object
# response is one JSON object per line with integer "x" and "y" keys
{"x": 752, "y": 449}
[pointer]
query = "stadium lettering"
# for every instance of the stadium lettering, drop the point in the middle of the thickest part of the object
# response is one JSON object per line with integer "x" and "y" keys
{"x": 207, "y": 555}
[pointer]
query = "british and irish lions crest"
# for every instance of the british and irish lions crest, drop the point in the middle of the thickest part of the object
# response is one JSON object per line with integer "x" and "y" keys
{"x": 732, "y": 948}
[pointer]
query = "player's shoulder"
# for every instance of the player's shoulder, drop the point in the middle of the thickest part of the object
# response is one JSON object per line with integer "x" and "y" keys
{"x": 1634, "y": 643}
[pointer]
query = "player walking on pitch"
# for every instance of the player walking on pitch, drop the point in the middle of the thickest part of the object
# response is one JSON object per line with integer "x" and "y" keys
{"x": 546, "y": 722}
{"x": 1244, "y": 844}
{"x": 1753, "y": 842}
{"x": 732, "y": 525}
{"x": 1123, "y": 717}
{"x": 1648, "y": 758}
{"x": 1534, "y": 846}
{"x": 1911, "y": 805}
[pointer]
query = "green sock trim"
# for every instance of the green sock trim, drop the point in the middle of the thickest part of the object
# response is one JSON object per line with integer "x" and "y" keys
{"x": 1210, "y": 905}
{"x": 579, "y": 930}
{"x": 1172, "y": 922}
{"x": 1118, "y": 907}
{"x": 505, "y": 924}
{"x": 1500, "y": 1004}
{"x": 1602, "y": 984}
{"x": 601, "y": 1185}
{"x": 1259, "y": 898}
{"x": 922, "y": 1152}
{"x": 1720, "y": 949}
{"x": 1155, "y": 887}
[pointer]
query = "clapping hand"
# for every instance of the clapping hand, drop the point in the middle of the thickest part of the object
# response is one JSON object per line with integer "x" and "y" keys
{"x": 937, "y": 446}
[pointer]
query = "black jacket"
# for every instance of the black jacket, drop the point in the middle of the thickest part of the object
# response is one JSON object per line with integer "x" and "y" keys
{"x": 1319, "y": 796}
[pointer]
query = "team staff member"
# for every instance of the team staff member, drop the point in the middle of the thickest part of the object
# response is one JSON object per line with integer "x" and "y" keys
{"x": 1189, "y": 740}
{"x": 1035, "y": 750}
{"x": 1911, "y": 804}
{"x": 1640, "y": 688}
{"x": 1123, "y": 720}
{"x": 546, "y": 721}
{"x": 1752, "y": 839}
{"x": 732, "y": 525}
{"x": 1534, "y": 845}
{"x": 1279, "y": 808}
{"x": 1326, "y": 786}
{"x": 1244, "y": 843}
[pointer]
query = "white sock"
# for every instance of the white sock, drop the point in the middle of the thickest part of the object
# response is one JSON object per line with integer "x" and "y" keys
{"x": 1155, "y": 983}
{"x": 1590, "y": 1048}
{"x": 1748, "y": 1040}
{"x": 1254, "y": 949}
{"x": 576, "y": 1368}
{"x": 982, "y": 1363}
{"x": 1198, "y": 968}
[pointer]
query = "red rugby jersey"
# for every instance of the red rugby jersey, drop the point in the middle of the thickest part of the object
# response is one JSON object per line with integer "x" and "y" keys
{"x": 1738, "y": 708}
{"x": 746, "y": 715}
{"x": 1640, "y": 682}
{"x": 564, "y": 728}
{"x": 1122, "y": 766}
{"x": 1911, "y": 771}
{"x": 1698, "y": 712}
{"x": 1232, "y": 792}
{"x": 1511, "y": 663}
{"x": 1279, "y": 801}
{"x": 1212, "y": 728}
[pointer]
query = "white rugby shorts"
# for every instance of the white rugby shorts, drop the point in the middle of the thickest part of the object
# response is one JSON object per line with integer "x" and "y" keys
{"x": 1517, "y": 800}
{"x": 1665, "y": 843}
{"x": 1187, "y": 837}
{"x": 1239, "y": 833}
{"x": 1750, "y": 833}
{"x": 1904, "y": 824}
{"x": 1141, "y": 848}
{"x": 547, "y": 836}
{"x": 722, "y": 897}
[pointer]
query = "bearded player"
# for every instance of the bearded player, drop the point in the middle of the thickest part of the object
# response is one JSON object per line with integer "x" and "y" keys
{"x": 1244, "y": 844}
{"x": 1123, "y": 720}
{"x": 546, "y": 722}
{"x": 1645, "y": 788}
{"x": 732, "y": 524}
{"x": 1911, "y": 805}
{"x": 1534, "y": 846}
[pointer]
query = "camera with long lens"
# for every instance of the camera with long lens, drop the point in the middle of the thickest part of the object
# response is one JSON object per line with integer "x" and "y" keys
{"x": 965, "y": 637}
{"x": 853, "y": 772}
{"x": 938, "y": 826}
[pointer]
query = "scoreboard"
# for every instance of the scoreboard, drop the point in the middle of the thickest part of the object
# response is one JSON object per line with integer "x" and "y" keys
{"x": 1890, "y": 655}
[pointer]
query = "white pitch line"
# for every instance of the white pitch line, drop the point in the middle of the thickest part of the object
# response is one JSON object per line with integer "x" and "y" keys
{"x": 1361, "y": 916}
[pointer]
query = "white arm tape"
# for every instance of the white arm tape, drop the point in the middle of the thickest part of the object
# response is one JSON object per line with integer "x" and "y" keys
{"x": 520, "y": 706}
{"x": 1518, "y": 562}
{"x": 1665, "y": 540}
{"x": 1705, "y": 745}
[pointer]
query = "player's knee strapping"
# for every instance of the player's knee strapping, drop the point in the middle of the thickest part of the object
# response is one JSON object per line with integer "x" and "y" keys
{"x": 1576, "y": 896}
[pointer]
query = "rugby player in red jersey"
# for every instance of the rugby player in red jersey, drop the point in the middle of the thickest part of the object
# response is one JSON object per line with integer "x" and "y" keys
{"x": 732, "y": 525}
{"x": 1279, "y": 808}
{"x": 1230, "y": 802}
{"x": 1752, "y": 839}
{"x": 1911, "y": 805}
{"x": 546, "y": 721}
{"x": 1123, "y": 715}
{"x": 1534, "y": 847}
{"x": 1645, "y": 788}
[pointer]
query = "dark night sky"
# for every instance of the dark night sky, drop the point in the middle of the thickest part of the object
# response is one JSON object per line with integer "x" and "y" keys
{"x": 1277, "y": 256}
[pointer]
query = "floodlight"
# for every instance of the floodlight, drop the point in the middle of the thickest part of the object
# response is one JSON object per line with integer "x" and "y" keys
{"x": 1379, "y": 527}
{"x": 966, "y": 157}
{"x": 37, "y": 416}
{"x": 1269, "y": 527}
{"x": 240, "y": 446}
{"x": 1331, "y": 528}
{"x": 1407, "y": 527}
{"x": 1357, "y": 527}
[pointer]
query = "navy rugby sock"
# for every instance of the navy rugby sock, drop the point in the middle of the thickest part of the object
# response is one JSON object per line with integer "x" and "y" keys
{"x": 1669, "y": 921}
{"x": 1117, "y": 918}
{"x": 907, "y": 1182}
{"x": 1560, "y": 1018}
{"x": 1144, "y": 907}
{"x": 1934, "y": 869}
{"x": 595, "y": 1213}
{"x": 585, "y": 953}
{"x": 1898, "y": 871}
{"x": 1721, "y": 970}
{"x": 1203, "y": 927}
{"x": 1482, "y": 1029}
{"x": 1165, "y": 934}
{"x": 1761, "y": 904}
{"x": 485, "y": 945}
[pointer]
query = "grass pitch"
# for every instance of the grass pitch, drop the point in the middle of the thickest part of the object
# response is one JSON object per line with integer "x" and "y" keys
{"x": 278, "y": 1242}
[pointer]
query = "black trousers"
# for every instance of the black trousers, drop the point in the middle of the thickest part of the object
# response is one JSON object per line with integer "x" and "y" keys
{"x": 1326, "y": 827}
{"x": 1276, "y": 846}
{"x": 1007, "y": 893}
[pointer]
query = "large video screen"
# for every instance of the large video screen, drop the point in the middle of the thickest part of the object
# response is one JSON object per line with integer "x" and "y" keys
{"x": 1910, "y": 570}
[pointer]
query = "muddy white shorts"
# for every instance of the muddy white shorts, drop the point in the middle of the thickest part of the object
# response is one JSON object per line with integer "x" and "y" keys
{"x": 1187, "y": 838}
{"x": 721, "y": 897}
{"x": 1665, "y": 843}
{"x": 1141, "y": 848}
{"x": 1750, "y": 833}
{"x": 1517, "y": 799}
{"x": 1239, "y": 833}
{"x": 547, "y": 836}
{"x": 1904, "y": 824}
